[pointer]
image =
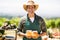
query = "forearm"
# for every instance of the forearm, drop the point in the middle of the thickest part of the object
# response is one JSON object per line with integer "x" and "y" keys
{"x": 42, "y": 34}
{"x": 21, "y": 34}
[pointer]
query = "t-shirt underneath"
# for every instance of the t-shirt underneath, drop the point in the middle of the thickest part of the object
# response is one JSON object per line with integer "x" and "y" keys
{"x": 32, "y": 19}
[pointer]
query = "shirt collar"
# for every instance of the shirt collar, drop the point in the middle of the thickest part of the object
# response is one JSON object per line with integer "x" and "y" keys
{"x": 29, "y": 18}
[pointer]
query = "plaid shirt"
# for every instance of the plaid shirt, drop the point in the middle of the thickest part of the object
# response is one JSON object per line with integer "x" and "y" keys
{"x": 41, "y": 21}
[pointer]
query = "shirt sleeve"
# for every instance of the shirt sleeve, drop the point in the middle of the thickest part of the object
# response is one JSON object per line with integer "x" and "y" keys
{"x": 43, "y": 25}
{"x": 21, "y": 24}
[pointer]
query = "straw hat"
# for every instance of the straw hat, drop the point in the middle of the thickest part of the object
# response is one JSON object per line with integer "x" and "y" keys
{"x": 30, "y": 2}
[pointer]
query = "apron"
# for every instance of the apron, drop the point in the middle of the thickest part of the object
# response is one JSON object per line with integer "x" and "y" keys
{"x": 32, "y": 26}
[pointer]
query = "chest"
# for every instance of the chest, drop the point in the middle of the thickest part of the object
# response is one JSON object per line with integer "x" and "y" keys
{"x": 32, "y": 26}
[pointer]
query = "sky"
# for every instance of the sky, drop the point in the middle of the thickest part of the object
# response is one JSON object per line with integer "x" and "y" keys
{"x": 47, "y": 8}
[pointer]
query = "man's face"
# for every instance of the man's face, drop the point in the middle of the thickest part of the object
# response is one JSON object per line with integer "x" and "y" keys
{"x": 30, "y": 8}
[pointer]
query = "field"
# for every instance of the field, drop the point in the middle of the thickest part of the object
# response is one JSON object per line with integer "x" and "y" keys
{"x": 53, "y": 25}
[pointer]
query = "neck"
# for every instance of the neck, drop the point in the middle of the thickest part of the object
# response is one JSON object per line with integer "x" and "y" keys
{"x": 30, "y": 15}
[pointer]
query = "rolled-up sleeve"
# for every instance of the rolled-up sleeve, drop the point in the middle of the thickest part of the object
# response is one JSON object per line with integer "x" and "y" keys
{"x": 20, "y": 26}
{"x": 43, "y": 25}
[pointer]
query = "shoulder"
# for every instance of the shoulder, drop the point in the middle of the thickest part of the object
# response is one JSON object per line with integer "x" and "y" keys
{"x": 40, "y": 18}
{"x": 23, "y": 19}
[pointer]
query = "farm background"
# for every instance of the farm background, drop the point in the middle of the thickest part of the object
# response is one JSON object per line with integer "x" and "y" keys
{"x": 12, "y": 11}
{"x": 52, "y": 24}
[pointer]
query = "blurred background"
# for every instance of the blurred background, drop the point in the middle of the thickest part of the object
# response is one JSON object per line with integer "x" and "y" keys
{"x": 11, "y": 12}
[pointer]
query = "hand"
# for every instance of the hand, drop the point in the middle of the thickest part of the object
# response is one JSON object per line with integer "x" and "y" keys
{"x": 45, "y": 39}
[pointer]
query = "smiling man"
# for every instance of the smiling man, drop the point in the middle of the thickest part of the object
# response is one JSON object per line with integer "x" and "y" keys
{"x": 32, "y": 22}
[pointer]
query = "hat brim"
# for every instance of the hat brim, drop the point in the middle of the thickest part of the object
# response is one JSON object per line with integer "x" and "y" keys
{"x": 25, "y": 6}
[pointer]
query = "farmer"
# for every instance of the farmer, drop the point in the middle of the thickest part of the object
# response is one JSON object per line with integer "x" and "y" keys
{"x": 31, "y": 22}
